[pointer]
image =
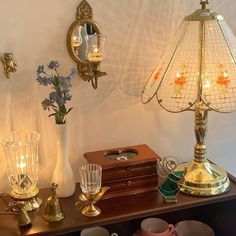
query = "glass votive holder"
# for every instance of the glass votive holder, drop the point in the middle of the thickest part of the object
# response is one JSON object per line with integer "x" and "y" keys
{"x": 90, "y": 178}
{"x": 95, "y": 47}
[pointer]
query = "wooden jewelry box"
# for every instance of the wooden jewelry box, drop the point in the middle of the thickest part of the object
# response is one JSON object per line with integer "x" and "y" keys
{"x": 127, "y": 170}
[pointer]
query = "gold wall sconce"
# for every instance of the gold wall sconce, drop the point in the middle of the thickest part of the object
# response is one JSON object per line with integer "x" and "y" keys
{"x": 85, "y": 44}
{"x": 9, "y": 64}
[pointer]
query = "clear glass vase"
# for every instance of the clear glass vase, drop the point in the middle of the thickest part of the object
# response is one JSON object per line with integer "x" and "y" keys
{"x": 21, "y": 152}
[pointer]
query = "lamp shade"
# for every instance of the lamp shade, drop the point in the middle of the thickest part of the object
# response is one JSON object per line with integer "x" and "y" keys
{"x": 199, "y": 65}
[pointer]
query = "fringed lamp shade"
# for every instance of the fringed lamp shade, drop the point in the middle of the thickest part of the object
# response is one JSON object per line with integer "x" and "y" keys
{"x": 198, "y": 72}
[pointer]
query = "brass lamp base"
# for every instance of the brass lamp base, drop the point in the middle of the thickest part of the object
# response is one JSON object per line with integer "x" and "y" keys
{"x": 203, "y": 179}
{"x": 31, "y": 202}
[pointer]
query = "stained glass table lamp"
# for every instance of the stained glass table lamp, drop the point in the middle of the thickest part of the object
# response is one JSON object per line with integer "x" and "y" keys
{"x": 198, "y": 73}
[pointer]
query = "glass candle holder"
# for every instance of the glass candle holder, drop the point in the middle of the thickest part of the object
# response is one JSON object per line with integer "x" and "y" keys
{"x": 90, "y": 178}
{"x": 95, "y": 47}
{"x": 90, "y": 183}
{"x": 21, "y": 153}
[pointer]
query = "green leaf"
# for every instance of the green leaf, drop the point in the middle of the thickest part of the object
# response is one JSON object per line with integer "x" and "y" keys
{"x": 69, "y": 110}
{"x": 55, "y": 109}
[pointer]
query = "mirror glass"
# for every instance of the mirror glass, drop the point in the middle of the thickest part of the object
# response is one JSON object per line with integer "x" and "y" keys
{"x": 78, "y": 36}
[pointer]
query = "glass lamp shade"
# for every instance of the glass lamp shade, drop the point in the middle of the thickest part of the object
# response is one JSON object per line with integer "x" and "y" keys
{"x": 21, "y": 153}
{"x": 199, "y": 64}
{"x": 95, "y": 47}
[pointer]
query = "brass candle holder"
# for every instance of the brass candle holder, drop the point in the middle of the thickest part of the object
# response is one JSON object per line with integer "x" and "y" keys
{"x": 92, "y": 192}
{"x": 90, "y": 199}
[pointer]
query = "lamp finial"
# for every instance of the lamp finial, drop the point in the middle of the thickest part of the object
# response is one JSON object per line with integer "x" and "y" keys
{"x": 204, "y": 3}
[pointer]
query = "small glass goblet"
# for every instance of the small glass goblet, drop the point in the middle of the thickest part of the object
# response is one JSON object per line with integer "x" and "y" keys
{"x": 90, "y": 183}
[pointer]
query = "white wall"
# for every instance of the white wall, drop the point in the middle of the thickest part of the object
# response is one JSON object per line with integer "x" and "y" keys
{"x": 111, "y": 116}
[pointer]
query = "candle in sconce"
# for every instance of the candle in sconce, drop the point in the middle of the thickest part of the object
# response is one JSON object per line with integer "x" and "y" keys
{"x": 77, "y": 38}
{"x": 95, "y": 56}
{"x": 76, "y": 41}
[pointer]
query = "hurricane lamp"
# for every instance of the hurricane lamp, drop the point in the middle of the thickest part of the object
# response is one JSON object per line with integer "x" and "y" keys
{"x": 197, "y": 73}
{"x": 21, "y": 153}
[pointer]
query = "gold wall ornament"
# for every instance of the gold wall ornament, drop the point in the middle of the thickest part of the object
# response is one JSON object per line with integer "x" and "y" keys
{"x": 9, "y": 64}
{"x": 84, "y": 11}
{"x": 85, "y": 44}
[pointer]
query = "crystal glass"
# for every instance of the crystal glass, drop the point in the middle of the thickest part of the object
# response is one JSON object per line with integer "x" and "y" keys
{"x": 21, "y": 153}
{"x": 95, "y": 47}
{"x": 90, "y": 178}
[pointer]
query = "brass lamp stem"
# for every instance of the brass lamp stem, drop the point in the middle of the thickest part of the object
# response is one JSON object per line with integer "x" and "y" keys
{"x": 201, "y": 177}
{"x": 200, "y": 128}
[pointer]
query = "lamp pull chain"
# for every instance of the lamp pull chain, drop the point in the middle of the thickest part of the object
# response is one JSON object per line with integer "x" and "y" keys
{"x": 204, "y": 3}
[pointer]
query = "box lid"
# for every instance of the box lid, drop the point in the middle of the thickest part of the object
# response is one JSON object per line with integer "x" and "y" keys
{"x": 123, "y": 156}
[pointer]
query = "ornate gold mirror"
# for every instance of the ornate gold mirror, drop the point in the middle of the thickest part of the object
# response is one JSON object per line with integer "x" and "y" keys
{"x": 85, "y": 43}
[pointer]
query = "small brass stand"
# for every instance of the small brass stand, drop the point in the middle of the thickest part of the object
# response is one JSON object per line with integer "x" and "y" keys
{"x": 90, "y": 199}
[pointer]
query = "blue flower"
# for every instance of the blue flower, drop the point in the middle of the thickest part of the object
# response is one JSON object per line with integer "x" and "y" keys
{"x": 73, "y": 72}
{"x": 53, "y": 96}
{"x": 60, "y": 101}
{"x": 43, "y": 80}
{"x": 67, "y": 97}
{"x": 65, "y": 83}
{"x": 46, "y": 103}
{"x": 53, "y": 65}
{"x": 60, "y": 93}
{"x": 40, "y": 69}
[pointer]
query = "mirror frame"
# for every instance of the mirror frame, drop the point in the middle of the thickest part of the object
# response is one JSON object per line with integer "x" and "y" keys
{"x": 87, "y": 70}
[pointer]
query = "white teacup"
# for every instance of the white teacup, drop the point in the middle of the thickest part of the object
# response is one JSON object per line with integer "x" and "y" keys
{"x": 96, "y": 231}
{"x": 193, "y": 228}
